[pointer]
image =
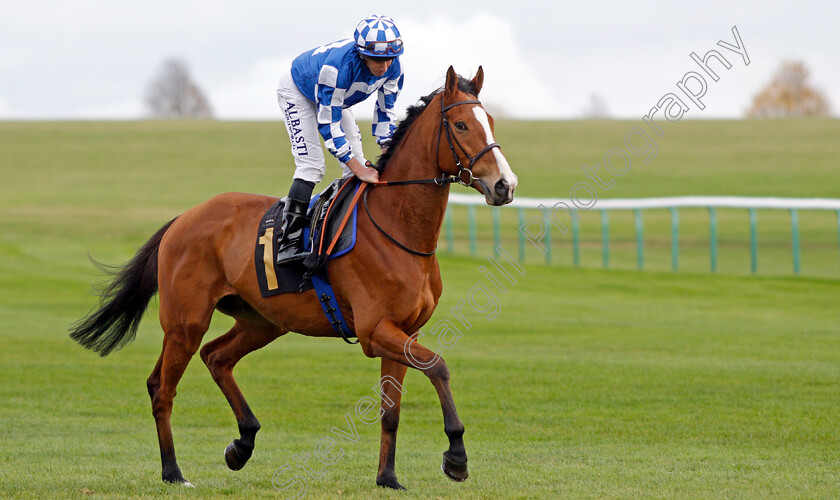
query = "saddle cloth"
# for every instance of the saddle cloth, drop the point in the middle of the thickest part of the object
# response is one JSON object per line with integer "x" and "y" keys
{"x": 294, "y": 277}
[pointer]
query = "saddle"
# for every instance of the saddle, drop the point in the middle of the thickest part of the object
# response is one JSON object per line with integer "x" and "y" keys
{"x": 319, "y": 235}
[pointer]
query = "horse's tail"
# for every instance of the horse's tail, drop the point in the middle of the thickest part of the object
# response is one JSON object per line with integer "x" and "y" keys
{"x": 123, "y": 301}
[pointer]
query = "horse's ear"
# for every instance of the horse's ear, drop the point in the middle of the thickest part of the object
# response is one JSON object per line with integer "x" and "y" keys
{"x": 478, "y": 81}
{"x": 451, "y": 82}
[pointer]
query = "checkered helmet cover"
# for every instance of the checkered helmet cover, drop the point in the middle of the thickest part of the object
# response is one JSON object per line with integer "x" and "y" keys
{"x": 374, "y": 29}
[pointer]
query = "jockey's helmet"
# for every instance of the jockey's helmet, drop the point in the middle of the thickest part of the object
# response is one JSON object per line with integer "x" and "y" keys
{"x": 378, "y": 36}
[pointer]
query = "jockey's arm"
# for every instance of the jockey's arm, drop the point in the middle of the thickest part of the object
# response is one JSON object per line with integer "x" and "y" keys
{"x": 329, "y": 122}
{"x": 384, "y": 118}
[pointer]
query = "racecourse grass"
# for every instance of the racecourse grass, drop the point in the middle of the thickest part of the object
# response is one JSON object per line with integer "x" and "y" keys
{"x": 588, "y": 383}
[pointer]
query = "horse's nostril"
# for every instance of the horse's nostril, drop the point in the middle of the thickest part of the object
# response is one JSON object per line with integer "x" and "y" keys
{"x": 502, "y": 187}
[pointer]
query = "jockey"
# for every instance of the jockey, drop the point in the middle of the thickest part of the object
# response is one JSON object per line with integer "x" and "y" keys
{"x": 315, "y": 96}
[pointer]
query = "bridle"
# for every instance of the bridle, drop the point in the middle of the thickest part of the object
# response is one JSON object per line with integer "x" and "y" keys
{"x": 443, "y": 179}
{"x": 444, "y": 127}
{"x": 453, "y": 141}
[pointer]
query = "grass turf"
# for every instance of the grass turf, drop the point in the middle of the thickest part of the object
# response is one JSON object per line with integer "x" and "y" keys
{"x": 588, "y": 383}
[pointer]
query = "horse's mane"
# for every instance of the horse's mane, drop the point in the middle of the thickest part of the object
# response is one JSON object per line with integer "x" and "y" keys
{"x": 413, "y": 113}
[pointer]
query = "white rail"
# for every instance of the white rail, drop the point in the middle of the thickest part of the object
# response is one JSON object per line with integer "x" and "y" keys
{"x": 537, "y": 229}
{"x": 667, "y": 202}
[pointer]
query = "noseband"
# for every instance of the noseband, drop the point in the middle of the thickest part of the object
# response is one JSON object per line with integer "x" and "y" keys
{"x": 453, "y": 141}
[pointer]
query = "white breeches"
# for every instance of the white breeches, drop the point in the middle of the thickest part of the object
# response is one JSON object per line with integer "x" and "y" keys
{"x": 300, "y": 115}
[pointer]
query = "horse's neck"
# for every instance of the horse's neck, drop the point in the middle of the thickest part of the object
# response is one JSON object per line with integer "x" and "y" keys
{"x": 416, "y": 211}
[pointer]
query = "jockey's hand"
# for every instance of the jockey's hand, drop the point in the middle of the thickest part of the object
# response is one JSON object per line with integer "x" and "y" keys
{"x": 366, "y": 174}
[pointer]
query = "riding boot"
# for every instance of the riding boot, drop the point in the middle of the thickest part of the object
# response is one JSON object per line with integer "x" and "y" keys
{"x": 289, "y": 247}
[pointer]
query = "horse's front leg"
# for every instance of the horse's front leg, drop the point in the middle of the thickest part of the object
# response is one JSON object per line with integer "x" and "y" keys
{"x": 391, "y": 396}
{"x": 388, "y": 341}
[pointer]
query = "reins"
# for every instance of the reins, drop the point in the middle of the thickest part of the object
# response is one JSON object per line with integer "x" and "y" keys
{"x": 394, "y": 240}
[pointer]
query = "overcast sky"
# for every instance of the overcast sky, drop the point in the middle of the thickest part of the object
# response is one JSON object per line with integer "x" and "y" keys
{"x": 93, "y": 59}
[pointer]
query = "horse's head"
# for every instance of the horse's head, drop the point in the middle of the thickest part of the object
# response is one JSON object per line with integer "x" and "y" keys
{"x": 467, "y": 147}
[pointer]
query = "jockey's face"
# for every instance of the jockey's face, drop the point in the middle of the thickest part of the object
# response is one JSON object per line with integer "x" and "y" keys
{"x": 377, "y": 66}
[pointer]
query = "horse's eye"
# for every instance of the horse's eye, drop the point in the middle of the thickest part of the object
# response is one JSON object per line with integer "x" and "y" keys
{"x": 461, "y": 125}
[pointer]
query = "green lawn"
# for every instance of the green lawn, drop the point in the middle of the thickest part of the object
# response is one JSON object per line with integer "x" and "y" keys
{"x": 151, "y": 171}
{"x": 588, "y": 383}
{"x": 784, "y": 158}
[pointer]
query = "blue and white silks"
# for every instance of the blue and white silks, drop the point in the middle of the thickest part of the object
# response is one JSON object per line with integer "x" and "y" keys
{"x": 335, "y": 77}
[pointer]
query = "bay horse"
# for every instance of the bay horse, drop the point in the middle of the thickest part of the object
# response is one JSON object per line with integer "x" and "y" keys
{"x": 203, "y": 261}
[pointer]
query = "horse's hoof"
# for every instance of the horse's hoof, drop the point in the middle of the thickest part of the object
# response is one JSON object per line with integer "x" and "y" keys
{"x": 390, "y": 482}
{"x": 454, "y": 470}
{"x": 235, "y": 457}
{"x": 178, "y": 479}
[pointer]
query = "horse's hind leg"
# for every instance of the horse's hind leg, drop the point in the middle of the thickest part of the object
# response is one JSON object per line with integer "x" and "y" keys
{"x": 183, "y": 328}
{"x": 179, "y": 345}
{"x": 220, "y": 356}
